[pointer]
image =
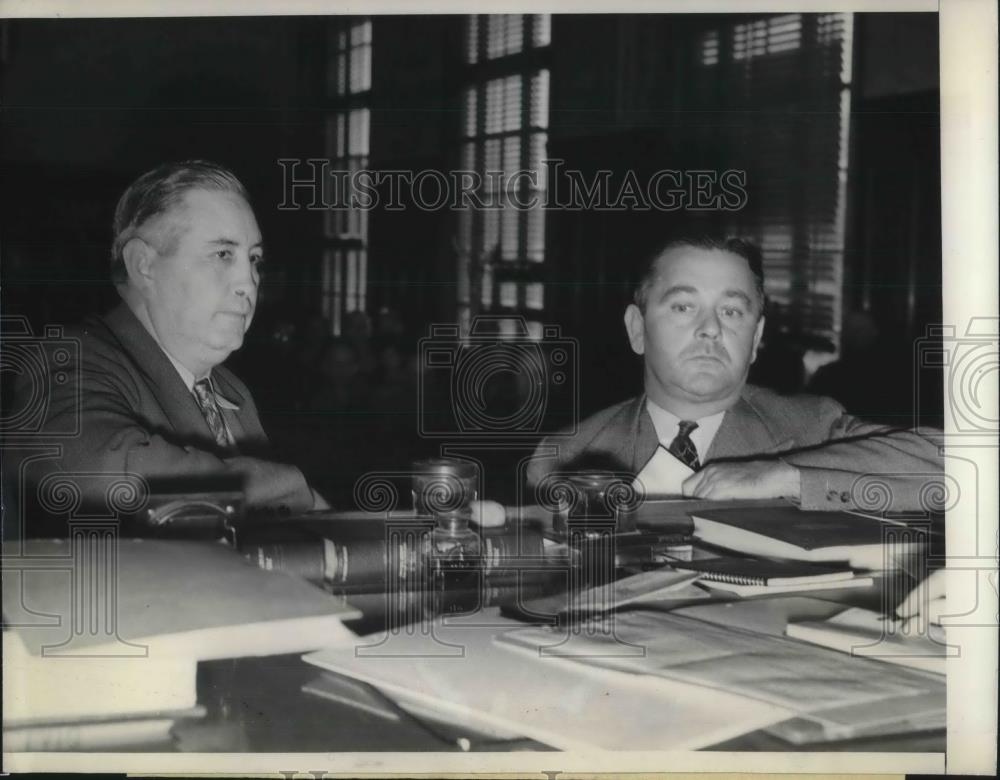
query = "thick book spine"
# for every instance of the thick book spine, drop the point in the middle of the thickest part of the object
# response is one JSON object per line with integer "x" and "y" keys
{"x": 304, "y": 559}
{"x": 365, "y": 563}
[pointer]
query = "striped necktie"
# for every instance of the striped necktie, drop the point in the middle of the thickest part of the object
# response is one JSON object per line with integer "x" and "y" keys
{"x": 205, "y": 397}
{"x": 683, "y": 448}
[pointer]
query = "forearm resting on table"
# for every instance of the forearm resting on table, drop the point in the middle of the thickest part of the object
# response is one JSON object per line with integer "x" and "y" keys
{"x": 135, "y": 452}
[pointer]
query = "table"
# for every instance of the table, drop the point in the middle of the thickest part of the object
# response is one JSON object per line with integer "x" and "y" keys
{"x": 258, "y": 706}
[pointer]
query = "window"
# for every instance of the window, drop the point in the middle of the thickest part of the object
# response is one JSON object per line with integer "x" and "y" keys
{"x": 767, "y": 36}
{"x": 784, "y": 82}
{"x": 504, "y": 132}
{"x": 348, "y": 79}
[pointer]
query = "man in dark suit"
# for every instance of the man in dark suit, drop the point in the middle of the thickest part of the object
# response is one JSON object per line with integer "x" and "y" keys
{"x": 155, "y": 400}
{"x": 699, "y": 430}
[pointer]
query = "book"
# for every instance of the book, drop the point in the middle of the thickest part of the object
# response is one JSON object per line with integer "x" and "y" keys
{"x": 355, "y": 557}
{"x": 758, "y": 571}
{"x": 793, "y": 534}
{"x": 756, "y": 576}
{"x": 862, "y": 632}
{"x": 746, "y": 591}
{"x": 40, "y": 690}
{"x": 168, "y": 600}
{"x": 456, "y": 671}
{"x": 673, "y": 515}
{"x": 120, "y": 630}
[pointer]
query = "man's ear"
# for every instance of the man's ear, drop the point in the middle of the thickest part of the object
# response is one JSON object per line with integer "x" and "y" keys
{"x": 758, "y": 334}
{"x": 635, "y": 326}
{"x": 138, "y": 257}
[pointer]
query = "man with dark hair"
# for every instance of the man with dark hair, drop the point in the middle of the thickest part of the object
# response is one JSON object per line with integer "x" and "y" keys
{"x": 155, "y": 400}
{"x": 700, "y": 430}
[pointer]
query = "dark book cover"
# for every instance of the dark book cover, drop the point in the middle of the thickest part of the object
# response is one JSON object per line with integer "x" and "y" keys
{"x": 807, "y": 530}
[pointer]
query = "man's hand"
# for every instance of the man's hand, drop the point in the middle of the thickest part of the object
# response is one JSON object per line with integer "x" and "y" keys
{"x": 752, "y": 479}
{"x": 927, "y": 599}
{"x": 319, "y": 503}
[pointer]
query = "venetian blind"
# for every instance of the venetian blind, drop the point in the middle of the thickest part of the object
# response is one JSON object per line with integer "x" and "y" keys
{"x": 781, "y": 85}
{"x": 504, "y": 135}
{"x": 344, "y": 280}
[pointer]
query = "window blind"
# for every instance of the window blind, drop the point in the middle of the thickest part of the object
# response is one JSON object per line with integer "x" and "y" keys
{"x": 781, "y": 87}
{"x": 504, "y": 128}
{"x": 345, "y": 229}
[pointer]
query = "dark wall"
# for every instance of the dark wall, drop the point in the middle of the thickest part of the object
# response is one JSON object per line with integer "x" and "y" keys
{"x": 88, "y": 104}
{"x": 895, "y": 262}
{"x": 415, "y": 119}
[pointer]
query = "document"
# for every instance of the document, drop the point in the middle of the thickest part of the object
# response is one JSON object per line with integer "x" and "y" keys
{"x": 801, "y": 678}
{"x": 494, "y": 686}
{"x": 663, "y": 475}
{"x": 864, "y": 633}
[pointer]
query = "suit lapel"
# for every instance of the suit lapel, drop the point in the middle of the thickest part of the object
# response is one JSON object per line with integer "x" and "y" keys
{"x": 646, "y": 440}
{"x": 744, "y": 433}
{"x": 162, "y": 379}
{"x": 630, "y": 437}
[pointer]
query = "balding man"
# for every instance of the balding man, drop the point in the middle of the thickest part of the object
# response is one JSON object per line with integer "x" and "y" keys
{"x": 155, "y": 399}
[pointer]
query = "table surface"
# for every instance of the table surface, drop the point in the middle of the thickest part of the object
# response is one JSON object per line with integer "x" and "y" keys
{"x": 257, "y": 705}
{"x": 267, "y": 712}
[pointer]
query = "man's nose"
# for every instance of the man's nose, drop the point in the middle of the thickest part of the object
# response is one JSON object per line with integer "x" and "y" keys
{"x": 245, "y": 281}
{"x": 709, "y": 325}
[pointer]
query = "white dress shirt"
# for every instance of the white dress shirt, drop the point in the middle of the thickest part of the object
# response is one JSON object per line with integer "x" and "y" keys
{"x": 667, "y": 426}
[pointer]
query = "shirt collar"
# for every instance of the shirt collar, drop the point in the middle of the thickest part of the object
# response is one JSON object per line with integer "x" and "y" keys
{"x": 189, "y": 379}
{"x": 667, "y": 424}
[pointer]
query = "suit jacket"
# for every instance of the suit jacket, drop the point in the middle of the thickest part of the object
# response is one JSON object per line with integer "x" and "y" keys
{"x": 844, "y": 463}
{"x": 136, "y": 416}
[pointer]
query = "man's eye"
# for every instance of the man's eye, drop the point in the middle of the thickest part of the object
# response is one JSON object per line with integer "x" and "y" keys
{"x": 257, "y": 260}
{"x": 681, "y": 307}
{"x": 732, "y": 313}
{"x": 224, "y": 254}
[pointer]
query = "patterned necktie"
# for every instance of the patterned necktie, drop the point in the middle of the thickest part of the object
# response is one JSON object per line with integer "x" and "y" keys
{"x": 683, "y": 448}
{"x": 213, "y": 416}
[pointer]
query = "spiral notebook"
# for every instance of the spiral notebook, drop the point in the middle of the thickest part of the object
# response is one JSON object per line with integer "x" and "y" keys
{"x": 751, "y": 576}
